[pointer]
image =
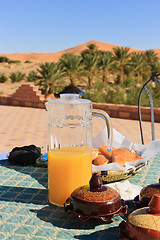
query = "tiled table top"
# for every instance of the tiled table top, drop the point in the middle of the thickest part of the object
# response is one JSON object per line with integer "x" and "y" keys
{"x": 26, "y": 214}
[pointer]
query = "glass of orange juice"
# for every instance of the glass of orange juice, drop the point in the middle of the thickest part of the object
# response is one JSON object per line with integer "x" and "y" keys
{"x": 70, "y": 146}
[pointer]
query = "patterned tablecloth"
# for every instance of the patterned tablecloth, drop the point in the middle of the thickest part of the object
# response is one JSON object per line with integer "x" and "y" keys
{"x": 26, "y": 214}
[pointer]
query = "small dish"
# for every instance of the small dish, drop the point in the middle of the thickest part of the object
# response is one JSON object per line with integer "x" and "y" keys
{"x": 127, "y": 190}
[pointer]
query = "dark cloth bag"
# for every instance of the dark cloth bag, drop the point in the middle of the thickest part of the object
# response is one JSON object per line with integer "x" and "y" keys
{"x": 25, "y": 155}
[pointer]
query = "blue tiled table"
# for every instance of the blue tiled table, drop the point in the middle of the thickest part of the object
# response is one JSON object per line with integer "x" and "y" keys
{"x": 26, "y": 214}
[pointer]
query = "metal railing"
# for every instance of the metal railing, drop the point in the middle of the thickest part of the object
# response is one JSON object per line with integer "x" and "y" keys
{"x": 154, "y": 79}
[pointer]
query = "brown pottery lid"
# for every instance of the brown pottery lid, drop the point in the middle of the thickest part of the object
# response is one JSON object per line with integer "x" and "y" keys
{"x": 143, "y": 223}
{"x": 147, "y": 193}
{"x": 146, "y": 221}
{"x": 96, "y": 200}
{"x": 95, "y": 192}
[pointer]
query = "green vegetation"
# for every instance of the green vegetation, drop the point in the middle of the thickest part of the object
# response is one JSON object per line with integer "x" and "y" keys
{"x": 7, "y": 60}
{"x": 32, "y": 76}
{"x": 49, "y": 73}
{"x": 14, "y": 61}
{"x": 4, "y": 59}
{"x": 27, "y": 61}
{"x": 16, "y": 77}
{"x": 111, "y": 77}
{"x": 70, "y": 66}
{"x": 121, "y": 58}
{"x": 3, "y": 78}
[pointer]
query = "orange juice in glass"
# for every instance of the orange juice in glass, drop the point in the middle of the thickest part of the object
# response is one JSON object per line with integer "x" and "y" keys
{"x": 68, "y": 169}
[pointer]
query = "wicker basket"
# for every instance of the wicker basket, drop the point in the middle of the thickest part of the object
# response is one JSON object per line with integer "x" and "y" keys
{"x": 117, "y": 175}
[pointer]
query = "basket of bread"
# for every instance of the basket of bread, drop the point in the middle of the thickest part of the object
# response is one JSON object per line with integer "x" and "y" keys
{"x": 122, "y": 158}
{"x": 102, "y": 158}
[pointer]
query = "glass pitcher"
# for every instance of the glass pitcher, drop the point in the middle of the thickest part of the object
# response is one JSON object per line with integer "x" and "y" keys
{"x": 70, "y": 144}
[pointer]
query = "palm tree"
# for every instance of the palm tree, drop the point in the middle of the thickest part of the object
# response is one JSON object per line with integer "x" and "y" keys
{"x": 32, "y": 76}
{"x": 106, "y": 64}
{"x": 90, "y": 58}
{"x": 151, "y": 56}
{"x": 49, "y": 73}
{"x": 3, "y": 78}
{"x": 153, "y": 61}
{"x": 71, "y": 66}
{"x": 90, "y": 66}
{"x": 155, "y": 68}
{"x": 121, "y": 56}
{"x": 91, "y": 49}
{"x": 139, "y": 64}
{"x": 16, "y": 76}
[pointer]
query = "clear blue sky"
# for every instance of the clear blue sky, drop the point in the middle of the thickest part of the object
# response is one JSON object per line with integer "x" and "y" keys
{"x": 55, "y": 25}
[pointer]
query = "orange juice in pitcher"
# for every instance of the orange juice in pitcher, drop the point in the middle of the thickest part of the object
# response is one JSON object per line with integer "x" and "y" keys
{"x": 69, "y": 168}
{"x": 70, "y": 145}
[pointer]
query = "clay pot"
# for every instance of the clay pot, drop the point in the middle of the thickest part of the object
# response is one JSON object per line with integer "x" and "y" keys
{"x": 146, "y": 194}
{"x": 96, "y": 201}
{"x": 143, "y": 223}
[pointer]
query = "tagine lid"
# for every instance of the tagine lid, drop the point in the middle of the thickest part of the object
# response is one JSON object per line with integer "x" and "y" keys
{"x": 143, "y": 218}
{"x": 95, "y": 192}
{"x": 146, "y": 194}
{"x": 143, "y": 223}
{"x": 150, "y": 190}
{"x": 96, "y": 201}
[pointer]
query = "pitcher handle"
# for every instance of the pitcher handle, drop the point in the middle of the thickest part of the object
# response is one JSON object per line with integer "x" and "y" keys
{"x": 106, "y": 117}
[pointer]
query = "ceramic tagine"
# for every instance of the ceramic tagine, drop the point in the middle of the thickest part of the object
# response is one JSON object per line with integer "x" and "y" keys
{"x": 96, "y": 201}
{"x": 143, "y": 223}
{"x": 146, "y": 194}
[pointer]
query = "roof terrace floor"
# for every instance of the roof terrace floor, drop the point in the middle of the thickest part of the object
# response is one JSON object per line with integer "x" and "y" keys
{"x": 21, "y": 126}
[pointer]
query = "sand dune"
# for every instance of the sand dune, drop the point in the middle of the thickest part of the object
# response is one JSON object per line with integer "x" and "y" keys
{"x": 37, "y": 58}
{"x": 54, "y": 57}
{"x": 33, "y": 57}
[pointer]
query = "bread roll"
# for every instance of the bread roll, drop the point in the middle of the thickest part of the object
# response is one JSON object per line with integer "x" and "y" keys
{"x": 102, "y": 156}
{"x": 121, "y": 156}
{"x": 100, "y": 160}
{"x": 103, "y": 150}
{"x": 94, "y": 153}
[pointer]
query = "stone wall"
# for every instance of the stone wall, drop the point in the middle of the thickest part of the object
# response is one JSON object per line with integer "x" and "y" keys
{"x": 27, "y": 95}
{"x": 128, "y": 111}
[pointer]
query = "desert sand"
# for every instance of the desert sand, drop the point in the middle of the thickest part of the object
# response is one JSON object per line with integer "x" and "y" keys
{"x": 54, "y": 57}
{"x": 37, "y": 58}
